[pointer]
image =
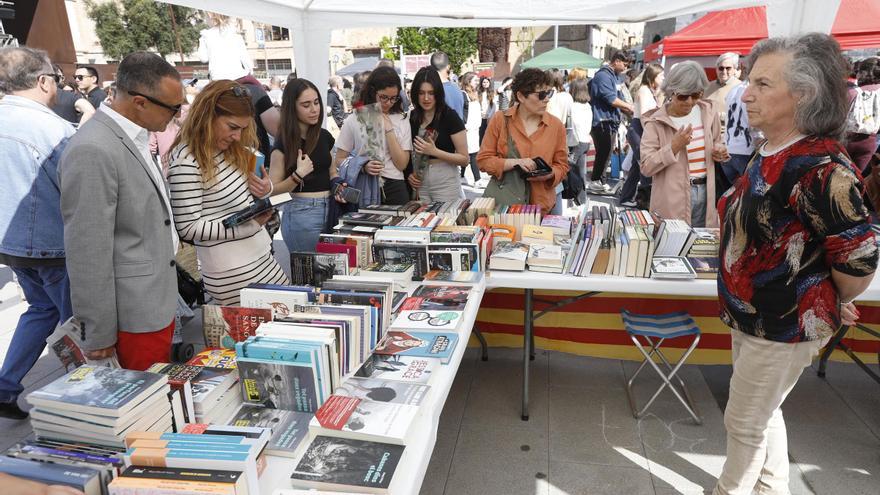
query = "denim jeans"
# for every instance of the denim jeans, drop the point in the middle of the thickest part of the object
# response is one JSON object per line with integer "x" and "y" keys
{"x": 47, "y": 290}
{"x": 578, "y": 160}
{"x": 698, "y": 205}
{"x": 631, "y": 185}
{"x": 303, "y": 220}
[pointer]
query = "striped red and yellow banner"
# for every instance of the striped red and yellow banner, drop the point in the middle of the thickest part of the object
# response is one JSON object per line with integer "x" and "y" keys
{"x": 592, "y": 326}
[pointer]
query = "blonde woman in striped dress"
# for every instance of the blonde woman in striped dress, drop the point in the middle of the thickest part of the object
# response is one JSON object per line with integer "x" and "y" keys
{"x": 211, "y": 177}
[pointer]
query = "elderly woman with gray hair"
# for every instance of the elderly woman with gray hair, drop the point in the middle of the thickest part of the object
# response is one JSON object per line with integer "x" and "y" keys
{"x": 796, "y": 249}
{"x": 681, "y": 142}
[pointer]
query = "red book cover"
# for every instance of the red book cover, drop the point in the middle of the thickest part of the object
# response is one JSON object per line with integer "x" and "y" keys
{"x": 223, "y": 326}
{"x": 327, "y": 247}
{"x": 195, "y": 428}
{"x": 334, "y": 413}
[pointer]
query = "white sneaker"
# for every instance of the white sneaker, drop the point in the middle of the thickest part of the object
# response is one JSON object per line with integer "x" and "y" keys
{"x": 598, "y": 187}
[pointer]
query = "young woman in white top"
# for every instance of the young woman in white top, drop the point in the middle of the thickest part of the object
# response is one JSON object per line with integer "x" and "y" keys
{"x": 211, "y": 177}
{"x": 581, "y": 123}
{"x": 488, "y": 103}
{"x": 472, "y": 121}
{"x": 559, "y": 106}
{"x": 647, "y": 99}
{"x": 383, "y": 86}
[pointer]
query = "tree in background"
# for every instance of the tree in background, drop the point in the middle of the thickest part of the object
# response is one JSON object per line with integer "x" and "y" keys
{"x": 125, "y": 26}
{"x": 459, "y": 43}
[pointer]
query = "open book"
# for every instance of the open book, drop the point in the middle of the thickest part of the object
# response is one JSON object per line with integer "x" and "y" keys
{"x": 254, "y": 209}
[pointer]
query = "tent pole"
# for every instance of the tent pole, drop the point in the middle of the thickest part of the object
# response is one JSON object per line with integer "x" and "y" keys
{"x": 556, "y": 36}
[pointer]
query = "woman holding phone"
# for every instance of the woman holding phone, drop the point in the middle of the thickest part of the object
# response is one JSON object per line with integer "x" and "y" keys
{"x": 211, "y": 176}
{"x": 301, "y": 165}
{"x": 439, "y": 143}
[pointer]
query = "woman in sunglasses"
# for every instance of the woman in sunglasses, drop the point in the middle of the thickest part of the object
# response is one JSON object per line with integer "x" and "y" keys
{"x": 383, "y": 86}
{"x": 518, "y": 136}
{"x": 211, "y": 177}
{"x": 681, "y": 143}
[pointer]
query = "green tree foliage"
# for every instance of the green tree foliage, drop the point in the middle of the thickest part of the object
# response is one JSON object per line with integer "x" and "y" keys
{"x": 459, "y": 43}
{"x": 124, "y": 26}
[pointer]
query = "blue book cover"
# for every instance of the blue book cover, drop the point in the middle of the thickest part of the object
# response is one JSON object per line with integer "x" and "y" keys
{"x": 278, "y": 384}
{"x": 87, "y": 480}
{"x": 301, "y": 352}
{"x": 418, "y": 344}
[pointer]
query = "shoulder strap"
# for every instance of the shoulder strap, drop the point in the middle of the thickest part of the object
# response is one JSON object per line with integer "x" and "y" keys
{"x": 512, "y": 152}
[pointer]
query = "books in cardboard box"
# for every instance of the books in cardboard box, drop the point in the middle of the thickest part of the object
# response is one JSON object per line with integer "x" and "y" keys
{"x": 400, "y": 368}
{"x": 99, "y": 391}
{"x": 347, "y": 464}
{"x": 363, "y": 419}
{"x": 418, "y": 344}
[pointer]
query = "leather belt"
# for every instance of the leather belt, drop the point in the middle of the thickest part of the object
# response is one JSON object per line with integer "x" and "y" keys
{"x": 699, "y": 181}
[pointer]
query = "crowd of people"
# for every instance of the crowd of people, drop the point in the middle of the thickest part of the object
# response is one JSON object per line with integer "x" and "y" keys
{"x": 101, "y": 189}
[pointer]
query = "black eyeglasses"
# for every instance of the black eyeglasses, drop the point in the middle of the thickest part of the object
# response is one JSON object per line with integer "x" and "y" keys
{"x": 172, "y": 108}
{"x": 726, "y": 69}
{"x": 56, "y": 77}
{"x": 387, "y": 99}
{"x": 543, "y": 95}
{"x": 240, "y": 91}
{"x": 80, "y": 77}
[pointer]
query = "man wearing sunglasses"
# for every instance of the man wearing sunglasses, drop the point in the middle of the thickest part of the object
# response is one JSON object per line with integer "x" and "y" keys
{"x": 87, "y": 81}
{"x": 727, "y": 67}
{"x": 608, "y": 103}
{"x": 32, "y": 138}
{"x": 118, "y": 226}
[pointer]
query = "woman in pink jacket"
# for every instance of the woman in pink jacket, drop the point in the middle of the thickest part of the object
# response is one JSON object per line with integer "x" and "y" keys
{"x": 681, "y": 143}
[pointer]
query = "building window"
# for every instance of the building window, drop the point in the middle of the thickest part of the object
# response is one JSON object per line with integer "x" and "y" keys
{"x": 275, "y": 33}
{"x": 277, "y": 67}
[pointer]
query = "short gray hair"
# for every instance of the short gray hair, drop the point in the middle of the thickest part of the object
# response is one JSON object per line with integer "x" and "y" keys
{"x": 21, "y": 66}
{"x": 143, "y": 72}
{"x": 818, "y": 71}
{"x": 335, "y": 81}
{"x": 685, "y": 78}
{"x": 728, "y": 56}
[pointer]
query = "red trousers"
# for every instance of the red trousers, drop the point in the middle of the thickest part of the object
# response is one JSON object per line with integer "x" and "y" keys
{"x": 139, "y": 351}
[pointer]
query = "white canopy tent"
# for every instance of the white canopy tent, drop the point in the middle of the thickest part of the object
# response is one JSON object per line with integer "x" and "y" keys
{"x": 311, "y": 21}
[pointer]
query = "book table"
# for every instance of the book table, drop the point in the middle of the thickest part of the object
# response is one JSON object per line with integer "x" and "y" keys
{"x": 597, "y": 284}
{"x": 413, "y": 464}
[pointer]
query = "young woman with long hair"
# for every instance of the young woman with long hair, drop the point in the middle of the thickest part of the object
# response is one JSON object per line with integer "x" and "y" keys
{"x": 301, "y": 165}
{"x": 211, "y": 177}
{"x": 488, "y": 103}
{"x": 439, "y": 140}
{"x": 472, "y": 120}
{"x": 383, "y": 86}
{"x": 647, "y": 98}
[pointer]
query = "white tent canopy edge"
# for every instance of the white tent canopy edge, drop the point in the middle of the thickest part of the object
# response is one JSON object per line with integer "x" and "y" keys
{"x": 311, "y": 21}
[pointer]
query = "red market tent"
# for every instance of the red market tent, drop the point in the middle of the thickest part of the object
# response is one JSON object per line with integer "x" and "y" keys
{"x": 738, "y": 30}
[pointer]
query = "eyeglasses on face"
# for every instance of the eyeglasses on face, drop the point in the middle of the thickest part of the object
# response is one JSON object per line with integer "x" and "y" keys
{"x": 387, "y": 99}
{"x": 694, "y": 96}
{"x": 80, "y": 77}
{"x": 726, "y": 69}
{"x": 154, "y": 101}
{"x": 543, "y": 95}
{"x": 56, "y": 77}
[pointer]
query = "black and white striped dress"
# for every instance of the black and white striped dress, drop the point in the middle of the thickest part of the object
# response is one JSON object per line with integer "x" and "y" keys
{"x": 230, "y": 259}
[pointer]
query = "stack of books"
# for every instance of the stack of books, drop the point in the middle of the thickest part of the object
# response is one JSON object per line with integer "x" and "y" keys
{"x": 235, "y": 449}
{"x": 107, "y": 463}
{"x": 214, "y": 388}
{"x": 362, "y": 242}
{"x": 84, "y": 479}
{"x": 509, "y": 256}
{"x": 480, "y": 207}
{"x": 100, "y": 405}
{"x": 703, "y": 252}
{"x": 169, "y": 480}
{"x": 400, "y": 272}
{"x": 180, "y": 378}
{"x": 517, "y": 216}
{"x": 395, "y": 246}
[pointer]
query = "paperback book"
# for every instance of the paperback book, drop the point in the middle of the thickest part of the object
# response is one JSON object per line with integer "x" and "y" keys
{"x": 289, "y": 428}
{"x": 347, "y": 464}
{"x": 223, "y": 326}
{"x": 400, "y": 368}
{"x": 418, "y": 344}
{"x": 362, "y": 419}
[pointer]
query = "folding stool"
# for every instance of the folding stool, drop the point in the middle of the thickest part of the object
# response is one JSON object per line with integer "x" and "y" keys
{"x": 655, "y": 329}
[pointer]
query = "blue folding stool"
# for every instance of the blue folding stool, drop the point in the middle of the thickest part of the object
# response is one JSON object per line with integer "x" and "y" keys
{"x": 655, "y": 329}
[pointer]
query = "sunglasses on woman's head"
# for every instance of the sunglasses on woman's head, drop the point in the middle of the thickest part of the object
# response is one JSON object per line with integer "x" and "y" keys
{"x": 240, "y": 91}
{"x": 695, "y": 96}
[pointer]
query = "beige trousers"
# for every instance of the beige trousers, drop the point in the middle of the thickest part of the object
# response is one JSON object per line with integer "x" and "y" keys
{"x": 764, "y": 372}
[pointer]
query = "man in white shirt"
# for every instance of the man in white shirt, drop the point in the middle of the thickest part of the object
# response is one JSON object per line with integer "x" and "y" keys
{"x": 118, "y": 230}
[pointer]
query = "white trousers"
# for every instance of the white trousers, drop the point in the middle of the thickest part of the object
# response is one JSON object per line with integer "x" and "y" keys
{"x": 764, "y": 372}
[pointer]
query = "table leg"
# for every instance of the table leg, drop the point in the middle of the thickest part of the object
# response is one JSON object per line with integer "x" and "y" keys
{"x": 527, "y": 353}
{"x": 832, "y": 344}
